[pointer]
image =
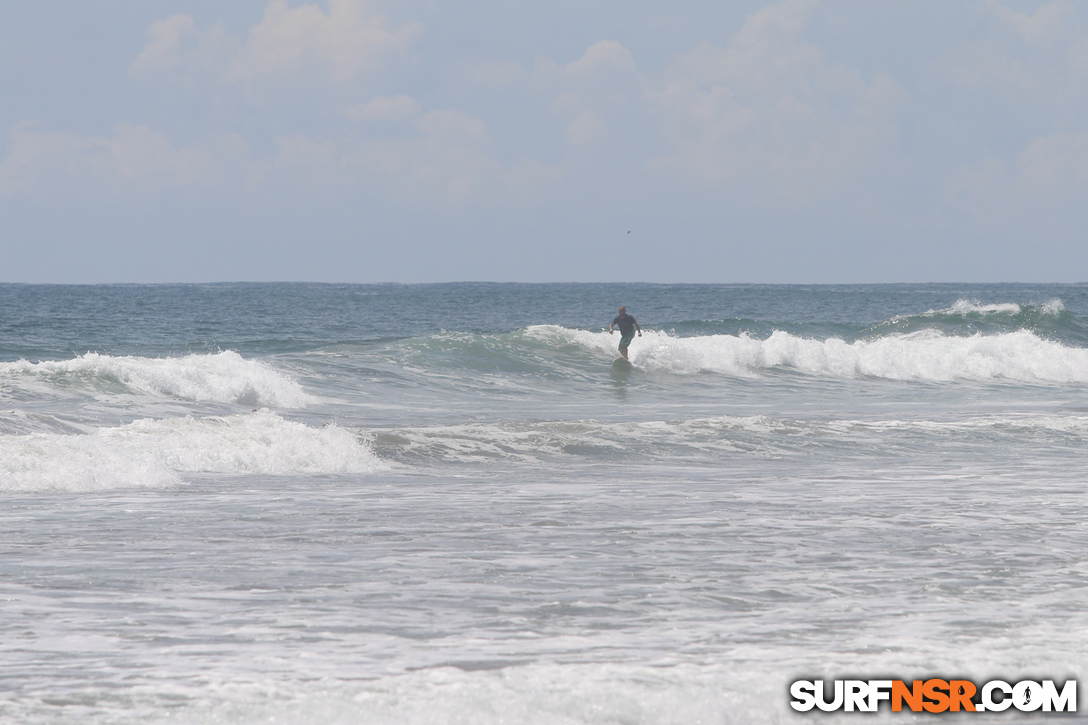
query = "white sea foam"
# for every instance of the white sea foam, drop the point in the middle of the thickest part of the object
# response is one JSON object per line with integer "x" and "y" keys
{"x": 1052, "y": 308}
{"x": 747, "y": 690}
{"x": 928, "y": 355}
{"x": 536, "y": 441}
{"x": 973, "y": 307}
{"x": 224, "y": 377}
{"x": 155, "y": 453}
{"x": 531, "y": 440}
{"x": 540, "y": 694}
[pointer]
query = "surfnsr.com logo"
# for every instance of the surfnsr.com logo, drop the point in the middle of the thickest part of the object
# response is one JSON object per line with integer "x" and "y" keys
{"x": 934, "y": 695}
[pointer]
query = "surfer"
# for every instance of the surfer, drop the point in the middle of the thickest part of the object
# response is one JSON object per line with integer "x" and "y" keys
{"x": 628, "y": 325}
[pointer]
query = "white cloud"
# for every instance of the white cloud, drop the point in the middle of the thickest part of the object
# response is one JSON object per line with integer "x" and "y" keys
{"x": 1046, "y": 54}
{"x": 769, "y": 113}
{"x": 449, "y": 160}
{"x": 766, "y": 113}
{"x": 496, "y": 74}
{"x": 385, "y": 108}
{"x": 34, "y": 153}
{"x": 346, "y": 42}
{"x": 586, "y": 128}
{"x": 166, "y": 41}
{"x": 135, "y": 158}
{"x": 138, "y": 153}
{"x": 441, "y": 158}
{"x": 302, "y": 152}
{"x": 1051, "y": 23}
{"x": 1050, "y": 173}
{"x": 445, "y": 157}
{"x": 599, "y": 59}
{"x": 1056, "y": 163}
{"x": 583, "y": 95}
{"x": 602, "y": 54}
{"x": 1038, "y": 72}
{"x": 342, "y": 44}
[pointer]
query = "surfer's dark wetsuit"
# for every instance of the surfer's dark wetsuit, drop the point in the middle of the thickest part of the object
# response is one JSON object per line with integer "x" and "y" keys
{"x": 627, "y": 325}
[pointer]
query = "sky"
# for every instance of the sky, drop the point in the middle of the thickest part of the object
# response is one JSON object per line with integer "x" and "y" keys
{"x": 799, "y": 141}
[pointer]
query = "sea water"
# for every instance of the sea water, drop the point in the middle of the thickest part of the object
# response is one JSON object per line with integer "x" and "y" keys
{"x": 289, "y": 503}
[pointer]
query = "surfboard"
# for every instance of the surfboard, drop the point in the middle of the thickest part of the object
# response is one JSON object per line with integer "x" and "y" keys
{"x": 621, "y": 364}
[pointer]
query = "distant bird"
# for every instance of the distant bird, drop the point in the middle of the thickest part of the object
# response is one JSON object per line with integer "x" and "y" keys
{"x": 628, "y": 231}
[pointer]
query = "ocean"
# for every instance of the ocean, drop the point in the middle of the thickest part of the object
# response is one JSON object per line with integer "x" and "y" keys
{"x": 309, "y": 503}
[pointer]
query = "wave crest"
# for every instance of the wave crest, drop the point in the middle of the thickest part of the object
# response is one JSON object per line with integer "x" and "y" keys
{"x": 927, "y": 355}
{"x": 974, "y": 307}
{"x": 224, "y": 377}
{"x": 962, "y": 307}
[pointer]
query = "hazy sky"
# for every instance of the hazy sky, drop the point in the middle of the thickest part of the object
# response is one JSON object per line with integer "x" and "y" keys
{"x": 568, "y": 140}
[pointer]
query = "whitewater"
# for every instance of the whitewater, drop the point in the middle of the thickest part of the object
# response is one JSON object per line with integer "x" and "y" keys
{"x": 294, "y": 503}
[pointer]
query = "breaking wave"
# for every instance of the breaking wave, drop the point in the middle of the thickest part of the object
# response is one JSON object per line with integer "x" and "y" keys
{"x": 224, "y": 377}
{"x": 156, "y": 453}
{"x": 974, "y": 307}
{"x": 926, "y": 355}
